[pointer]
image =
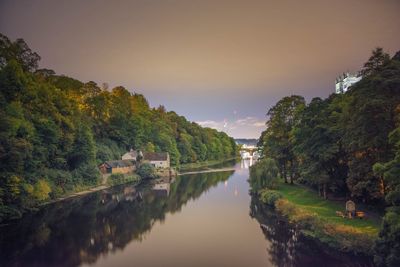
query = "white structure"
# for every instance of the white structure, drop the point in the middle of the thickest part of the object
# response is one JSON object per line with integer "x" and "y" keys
{"x": 157, "y": 159}
{"x": 343, "y": 83}
{"x": 245, "y": 154}
{"x": 162, "y": 189}
{"x": 131, "y": 155}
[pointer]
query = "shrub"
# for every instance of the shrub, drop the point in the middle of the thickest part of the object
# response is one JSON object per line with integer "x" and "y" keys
{"x": 342, "y": 237}
{"x": 264, "y": 174}
{"x": 146, "y": 171}
{"x": 269, "y": 197}
{"x": 41, "y": 190}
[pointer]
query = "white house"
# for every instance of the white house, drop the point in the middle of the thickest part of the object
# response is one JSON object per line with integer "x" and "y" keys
{"x": 157, "y": 159}
{"x": 131, "y": 155}
{"x": 343, "y": 83}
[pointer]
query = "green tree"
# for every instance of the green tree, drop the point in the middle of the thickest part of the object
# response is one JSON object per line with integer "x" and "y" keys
{"x": 388, "y": 245}
{"x": 146, "y": 170}
{"x": 277, "y": 138}
{"x": 264, "y": 174}
{"x": 377, "y": 60}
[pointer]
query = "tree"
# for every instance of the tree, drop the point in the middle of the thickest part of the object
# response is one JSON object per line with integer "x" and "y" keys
{"x": 368, "y": 118}
{"x": 264, "y": 174}
{"x": 277, "y": 138}
{"x": 317, "y": 143}
{"x": 388, "y": 245}
{"x": 376, "y": 61}
{"x": 146, "y": 170}
{"x": 19, "y": 51}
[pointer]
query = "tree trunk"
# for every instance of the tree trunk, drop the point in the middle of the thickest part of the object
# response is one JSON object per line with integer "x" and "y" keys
{"x": 324, "y": 188}
{"x": 284, "y": 173}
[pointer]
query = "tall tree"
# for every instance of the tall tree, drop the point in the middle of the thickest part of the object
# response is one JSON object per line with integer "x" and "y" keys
{"x": 277, "y": 138}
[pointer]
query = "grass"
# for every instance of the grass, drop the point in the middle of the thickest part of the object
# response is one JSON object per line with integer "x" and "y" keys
{"x": 316, "y": 217}
{"x": 309, "y": 200}
{"x": 202, "y": 164}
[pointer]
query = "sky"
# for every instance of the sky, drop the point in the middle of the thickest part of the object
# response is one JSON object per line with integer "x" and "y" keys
{"x": 220, "y": 63}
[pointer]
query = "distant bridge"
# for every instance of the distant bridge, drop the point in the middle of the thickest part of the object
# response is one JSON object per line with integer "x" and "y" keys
{"x": 249, "y": 152}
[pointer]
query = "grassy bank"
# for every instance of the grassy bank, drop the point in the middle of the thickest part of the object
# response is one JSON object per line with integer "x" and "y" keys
{"x": 317, "y": 218}
{"x": 203, "y": 164}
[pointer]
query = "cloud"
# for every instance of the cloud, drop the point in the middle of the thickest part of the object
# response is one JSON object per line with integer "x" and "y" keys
{"x": 248, "y": 127}
{"x": 259, "y": 124}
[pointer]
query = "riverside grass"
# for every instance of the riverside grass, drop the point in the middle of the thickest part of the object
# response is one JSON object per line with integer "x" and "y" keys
{"x": 316, "y": 218}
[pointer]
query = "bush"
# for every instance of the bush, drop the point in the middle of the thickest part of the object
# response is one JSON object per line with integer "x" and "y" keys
{"x": 269, "y": 197}
{"x": 9, "y": 213}
{"x": 264, "y": 174}
{"x": 343, "y": 237}
{"x": 146, "y": 171}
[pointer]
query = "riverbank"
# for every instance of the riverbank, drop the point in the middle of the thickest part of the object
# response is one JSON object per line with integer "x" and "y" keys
{"x": 109, "y": 182}
{"x": 204, "y": 165}
{"x": 316, "y": 218}
{"x": 119, "y": 179}
{"x": 208, "y": 171}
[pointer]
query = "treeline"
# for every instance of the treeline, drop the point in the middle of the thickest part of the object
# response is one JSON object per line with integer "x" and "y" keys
{"x": 55, "y": 130}
{"x": 347, "y": 144}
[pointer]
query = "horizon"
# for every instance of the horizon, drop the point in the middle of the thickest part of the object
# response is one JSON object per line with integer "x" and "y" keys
{"x": 234, "y": 58}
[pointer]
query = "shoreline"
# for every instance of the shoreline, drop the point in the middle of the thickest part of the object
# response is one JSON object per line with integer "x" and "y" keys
{"x": 345, "y": 236}
{"x": 107, "y": 186}
{"x": 208, "y": 171}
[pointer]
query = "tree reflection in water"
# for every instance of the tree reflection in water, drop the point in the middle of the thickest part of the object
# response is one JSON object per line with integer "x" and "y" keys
{"x": 290, "y": 248}
{"x": 80, "y": 230}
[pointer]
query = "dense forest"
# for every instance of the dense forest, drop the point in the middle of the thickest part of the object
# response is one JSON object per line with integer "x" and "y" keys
{"x": 55, "y": 130}
{"x": 346, "y": 145}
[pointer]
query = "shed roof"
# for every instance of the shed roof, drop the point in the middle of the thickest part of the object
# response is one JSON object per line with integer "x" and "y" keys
{"x": 132, "y": 153}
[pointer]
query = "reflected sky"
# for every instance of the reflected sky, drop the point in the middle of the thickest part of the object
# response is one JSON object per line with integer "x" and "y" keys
{"x": 214, "y": 230}
{"x": 206, "y": 219}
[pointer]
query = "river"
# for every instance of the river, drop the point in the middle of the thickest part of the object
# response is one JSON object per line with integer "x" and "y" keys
{"x": 206, "y": 219}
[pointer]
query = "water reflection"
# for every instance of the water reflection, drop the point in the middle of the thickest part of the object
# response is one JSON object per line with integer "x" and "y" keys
{"x": 289, "y": 248}
{"x": 80, "y": 230}
{"x": 214, "y": 229}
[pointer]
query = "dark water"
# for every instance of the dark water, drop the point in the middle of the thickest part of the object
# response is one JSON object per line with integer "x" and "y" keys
{"x": 198, "y": 220}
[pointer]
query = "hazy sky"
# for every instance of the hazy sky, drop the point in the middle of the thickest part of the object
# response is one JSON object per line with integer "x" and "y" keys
{"x": 220, "y": 63}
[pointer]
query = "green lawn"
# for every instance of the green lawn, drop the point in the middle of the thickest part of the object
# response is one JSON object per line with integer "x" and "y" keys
{"x": 310, "y": 201}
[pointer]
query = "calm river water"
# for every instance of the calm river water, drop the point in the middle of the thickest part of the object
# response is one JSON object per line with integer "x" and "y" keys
{"x": 197, "y": 220}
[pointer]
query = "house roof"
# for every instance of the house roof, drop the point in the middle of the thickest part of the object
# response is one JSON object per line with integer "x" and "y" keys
{"x": 132, "y": 153}
{"x": 120, "y": 163}
{"x": 155, "y": 156}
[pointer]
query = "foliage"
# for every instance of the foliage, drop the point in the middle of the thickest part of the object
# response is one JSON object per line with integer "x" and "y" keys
{"x": 348, "y": 145}
{"x": 146, "y": 170}
{"x": 341, "y": 236}
{"x": 264, "y": 174}
{"x": 332, "y": 144}
{"x": 316, "y": 217}
{"x": 277, "y": 139}
{"x": 269, "y": 197}
{"x": 55, "y": 130}
{"x": 388, "y": 245}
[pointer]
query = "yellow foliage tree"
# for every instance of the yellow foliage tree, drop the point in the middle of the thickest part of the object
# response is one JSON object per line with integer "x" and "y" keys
{"x": 41, "y": 190}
